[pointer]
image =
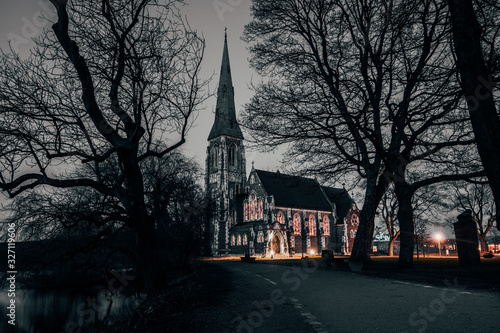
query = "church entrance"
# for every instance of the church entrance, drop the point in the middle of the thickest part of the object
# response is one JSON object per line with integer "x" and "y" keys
{"x": 276, "y": 245}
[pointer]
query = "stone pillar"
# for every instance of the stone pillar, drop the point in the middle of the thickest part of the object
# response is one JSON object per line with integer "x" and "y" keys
{"x": 467, "y": 243}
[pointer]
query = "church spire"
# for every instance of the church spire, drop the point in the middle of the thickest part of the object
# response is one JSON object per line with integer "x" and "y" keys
{"x": 225, "y": 115}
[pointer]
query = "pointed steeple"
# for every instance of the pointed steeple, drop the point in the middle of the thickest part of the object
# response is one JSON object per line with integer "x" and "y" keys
{"x": 225, "y": 115}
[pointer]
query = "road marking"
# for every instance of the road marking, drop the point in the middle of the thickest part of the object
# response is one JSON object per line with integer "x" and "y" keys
{"x": 258, "y": 275}
{"x": 272, "y": 282}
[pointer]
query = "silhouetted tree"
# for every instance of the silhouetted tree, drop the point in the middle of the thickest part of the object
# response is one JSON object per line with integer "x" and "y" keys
{"x": 110, "y": 80}
{"x": 362, "y": 88}
{"x": 477, "y": 198}
{"x": 478, "y": 59}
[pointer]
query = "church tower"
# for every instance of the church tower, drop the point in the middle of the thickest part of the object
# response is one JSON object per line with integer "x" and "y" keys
{"x": 225, "y": 163}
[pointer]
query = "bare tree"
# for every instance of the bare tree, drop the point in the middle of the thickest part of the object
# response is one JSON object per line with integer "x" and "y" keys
{"x": 477, "y": 198}
{"x": 477, "y": 60}
{"x": 365, "y": 88}
{"x": 388, "y": 210}
{"x": 110, "y": 80}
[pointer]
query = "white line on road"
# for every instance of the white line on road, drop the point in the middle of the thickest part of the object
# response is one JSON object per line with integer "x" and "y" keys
{"x": 272, "y": 282}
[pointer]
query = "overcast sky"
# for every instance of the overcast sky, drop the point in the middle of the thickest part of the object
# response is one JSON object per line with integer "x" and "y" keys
{"x": 208, "y": 17}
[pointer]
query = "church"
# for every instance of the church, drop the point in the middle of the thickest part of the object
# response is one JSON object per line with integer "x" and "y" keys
{"x": 267, "y": 214}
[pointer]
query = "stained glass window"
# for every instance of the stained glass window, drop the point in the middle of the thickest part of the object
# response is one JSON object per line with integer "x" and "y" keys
{"x": 326, "y": 225}
{"x": 296, "y": 224}
{"x": 246, "y": 211}
{"x": 251, "y": 210}
{"x": 239, "y": 239}
{"x": 280, "y": 217}
{"x": 312, "y": 225}
{"x": 245, "y": 240}
{"x": 261, "y": 210}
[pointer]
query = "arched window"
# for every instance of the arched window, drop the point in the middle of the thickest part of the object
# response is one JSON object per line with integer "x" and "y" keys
{"x": 261, "y": 210}
{"x": 353, "y": 233}
{"x": 312, "y": 225}
{"x": 326, "y": 225}
{"x": 215, "y": 156}
{"x": 279, "y": 218}
{"x": 245, "y": 239}
{"x": 251, "y": 210}
{"x": 260, "y": 237}
{"x": 239, "y": 239}
{"x": 232, "y": 240}
{"x": 296, "y": 224}
{"x": 233, "y": 217}
{"x": 232, "y": 154}
{"x": 246, "y": 211}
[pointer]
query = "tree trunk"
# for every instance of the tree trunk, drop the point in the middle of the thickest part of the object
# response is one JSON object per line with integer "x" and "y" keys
{"x": 405, "y": 217}
{"x": 477, "y": 87}
{"x": 143, "y": 225}
{"x": 364, "y": 235}
{"x": 484, "y": 245}
{"x": 391, "y": 246}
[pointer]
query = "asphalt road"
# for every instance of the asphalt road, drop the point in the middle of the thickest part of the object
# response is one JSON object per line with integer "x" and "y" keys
{"x": 273, "y": 298}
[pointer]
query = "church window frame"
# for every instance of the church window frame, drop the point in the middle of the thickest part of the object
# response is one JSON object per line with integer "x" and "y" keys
{"x": 233, "y": 217}
{"x": 232, "y": 154}
{"x": 251, "y": 210}
{"x": 280, "y": 218}
{"x": 326, "y": 225}
{"x": 312, "y": 225}
{"x": 233, "y": 240}
{"x": 261, "y": 210}
{"x": 239, "y": 240}
{"x": 245, "y": 239}
{"x": 296, "y": 224}
{"x": 246, "y": 211}
{"x": 260, "y": 237}
{"x": 215, "y": 156}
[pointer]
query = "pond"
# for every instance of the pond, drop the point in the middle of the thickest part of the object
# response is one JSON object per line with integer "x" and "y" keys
{"x": 67, "y": 311}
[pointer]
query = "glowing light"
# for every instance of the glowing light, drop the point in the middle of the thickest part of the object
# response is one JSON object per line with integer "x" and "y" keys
{"x": 311, "y": 252}
{"x": 272, "y": 253}
{"x": 438, "y": 236}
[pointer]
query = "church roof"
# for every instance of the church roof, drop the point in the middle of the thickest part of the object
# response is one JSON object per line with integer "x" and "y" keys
{"x": 341, "y": 198}
{"x": 225, "y": 122}
{"x": 294, "y": 191}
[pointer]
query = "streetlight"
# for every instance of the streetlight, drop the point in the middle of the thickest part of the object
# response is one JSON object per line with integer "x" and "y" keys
{"x": 438, "y": 238}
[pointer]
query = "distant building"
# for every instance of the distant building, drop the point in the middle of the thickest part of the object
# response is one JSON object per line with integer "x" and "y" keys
{"x": 268, "y": 213}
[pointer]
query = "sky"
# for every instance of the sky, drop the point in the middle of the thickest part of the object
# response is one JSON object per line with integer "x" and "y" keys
{"x": 20, "y": 18}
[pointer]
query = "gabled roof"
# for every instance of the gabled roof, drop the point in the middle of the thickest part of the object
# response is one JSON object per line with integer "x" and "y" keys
{"x": 341, "y": 198}
{"x": 293, "y": 191}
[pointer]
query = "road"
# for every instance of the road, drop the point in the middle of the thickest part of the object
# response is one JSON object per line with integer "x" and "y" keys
{"x": 274, "y": 298}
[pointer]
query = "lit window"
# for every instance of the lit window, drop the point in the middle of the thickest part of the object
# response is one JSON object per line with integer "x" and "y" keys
{"x": 312, "y": 225}
{"x": 251, "y": 210}
{"x": 256, "y": 210}
{"x": 261, "y": 210}
{"x": 246, "y": 211}
{"x": 280, "y": 217}
{"x": 296, "y": 224}
{"x": 232, "y": 240}
{"x": 245, "y": 240}
{"x": 326, "y": 225}
{"x": 239, "y": 239}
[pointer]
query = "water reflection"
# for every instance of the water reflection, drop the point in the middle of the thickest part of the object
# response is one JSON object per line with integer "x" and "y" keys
{"x": 66, "y": 311}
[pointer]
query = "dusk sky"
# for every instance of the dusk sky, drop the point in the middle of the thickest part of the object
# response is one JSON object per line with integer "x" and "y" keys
{"x": 209, "y": 18}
